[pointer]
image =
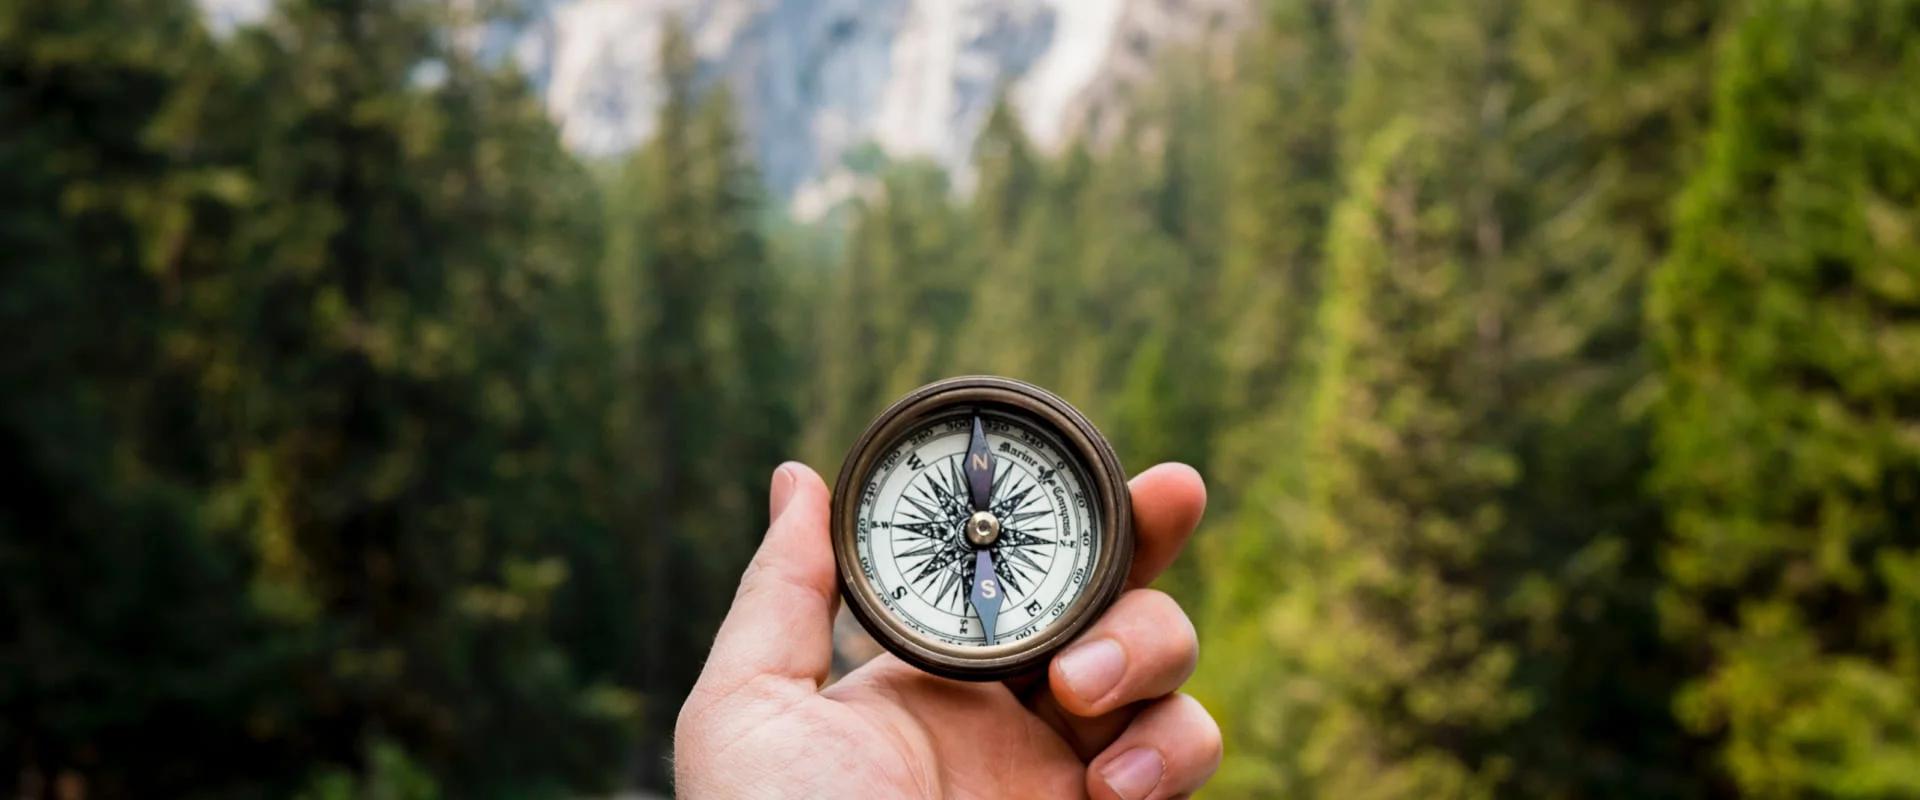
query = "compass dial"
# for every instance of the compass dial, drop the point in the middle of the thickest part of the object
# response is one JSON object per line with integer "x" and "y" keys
{"x": 911, "y": 529}
{"x": 979, "y": 524}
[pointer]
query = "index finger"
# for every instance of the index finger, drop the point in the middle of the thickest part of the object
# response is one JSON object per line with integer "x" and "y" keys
{"x": 1168, "y": 501}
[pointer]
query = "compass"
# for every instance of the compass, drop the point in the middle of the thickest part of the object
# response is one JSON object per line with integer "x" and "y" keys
{"x": 979, "y": 524}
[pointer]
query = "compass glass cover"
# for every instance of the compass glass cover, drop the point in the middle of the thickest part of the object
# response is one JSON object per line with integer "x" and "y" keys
{"x": 912, "y": 513}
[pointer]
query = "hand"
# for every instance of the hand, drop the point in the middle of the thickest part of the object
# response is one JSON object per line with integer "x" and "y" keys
{"x": 1106, "y": 722}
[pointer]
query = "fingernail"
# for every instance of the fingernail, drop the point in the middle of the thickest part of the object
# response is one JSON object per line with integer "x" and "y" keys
{"x": 1134, "y": 773}
{"x": 780, "y": 492}
{"x": 1091, "y": 669}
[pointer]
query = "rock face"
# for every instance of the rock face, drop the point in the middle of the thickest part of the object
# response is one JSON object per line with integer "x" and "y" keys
{"x": 820, "y": 80}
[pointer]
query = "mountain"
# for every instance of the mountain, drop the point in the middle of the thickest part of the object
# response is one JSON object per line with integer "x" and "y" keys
{"x": 821, "y": 82}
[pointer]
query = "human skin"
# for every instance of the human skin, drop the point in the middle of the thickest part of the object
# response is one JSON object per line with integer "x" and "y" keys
{"x": 1106, "y": 721}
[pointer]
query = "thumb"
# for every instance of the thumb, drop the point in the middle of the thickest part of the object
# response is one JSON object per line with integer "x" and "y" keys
{"x": 781, "y": 623}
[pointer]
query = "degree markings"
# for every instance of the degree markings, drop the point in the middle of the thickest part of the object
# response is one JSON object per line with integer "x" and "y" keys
{"x": 921, "y": 476}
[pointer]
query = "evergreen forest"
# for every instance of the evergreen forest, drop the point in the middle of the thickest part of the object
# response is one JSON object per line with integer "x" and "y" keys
{"x": 1554, "y": 366}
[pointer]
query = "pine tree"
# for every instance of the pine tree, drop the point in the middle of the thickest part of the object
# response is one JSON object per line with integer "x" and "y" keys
{"x": 1281, "y": 130}
{"x": 119, "y": 607}
{"x": 1461, "y": 534}
{"x": 1287, "y": 89}
{"x": 1785, "y": 318}
{"x": 1012, "y": 276}
{"x": 1150, "y": 318}
{"x": 1008, "y": 181}
{"x": 374, "y": 355}
{"x": 901, "y": 293}
{"x": 707, "y": 422}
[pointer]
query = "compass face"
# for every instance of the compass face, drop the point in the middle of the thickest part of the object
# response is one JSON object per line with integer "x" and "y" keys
{"x": 911, "y": 529}
{"x": 979, "y": 525}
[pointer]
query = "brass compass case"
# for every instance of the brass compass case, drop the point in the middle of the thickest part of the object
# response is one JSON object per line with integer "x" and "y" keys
{"x": 1010, "y": 406}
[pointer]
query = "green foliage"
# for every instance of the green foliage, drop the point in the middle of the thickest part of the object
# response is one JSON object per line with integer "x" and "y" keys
{"x": 390, "y": 775}
{"x": 1785, "y": 317}
{"x": 1280, "y": 192}
{"x": 895, "y": 302}
{"x": 392, "y": 459}
{"x": 319, "y": 493}
{"x": 705, "y": 380}
{"x": 364, "y": 444}
{"x": 119, "y": 607}
{"x": 1461, "y": 537}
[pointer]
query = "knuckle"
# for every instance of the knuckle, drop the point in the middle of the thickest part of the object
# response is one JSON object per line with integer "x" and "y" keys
{"x": 1158, "y": 620}
{"x": 1205, "y": 731}
{"x": 780, "y": 587}
{"x": 1153, "y": 599}
{"x": 1162, "y": 610}
{"x": 1142, "y": 609}
{"x": 1189, "y": 640}
{"x": 752, "y": 576}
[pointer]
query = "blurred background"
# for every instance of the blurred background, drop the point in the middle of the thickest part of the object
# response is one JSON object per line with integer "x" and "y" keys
{"x": 390, "y": 387}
